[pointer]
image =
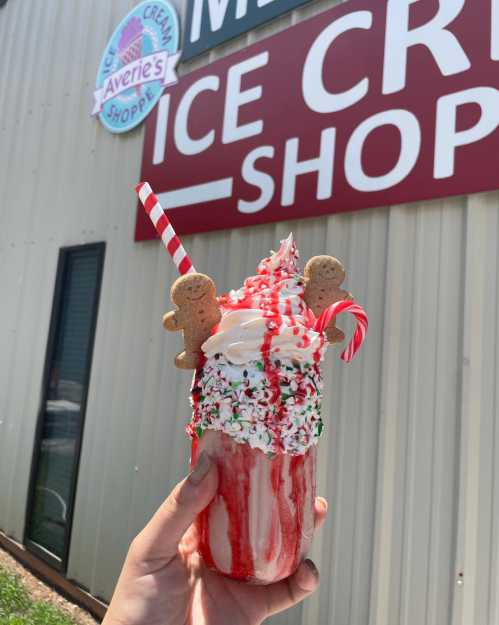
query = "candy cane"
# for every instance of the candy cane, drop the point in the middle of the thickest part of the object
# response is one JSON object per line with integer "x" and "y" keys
{"x": 360, "y": 331}
{"x": 164, "y": 228}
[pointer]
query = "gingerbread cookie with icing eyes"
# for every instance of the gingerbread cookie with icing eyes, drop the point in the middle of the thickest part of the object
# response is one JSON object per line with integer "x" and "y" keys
{"x": 197, "y": 312}
{"x": 323, "y": 277}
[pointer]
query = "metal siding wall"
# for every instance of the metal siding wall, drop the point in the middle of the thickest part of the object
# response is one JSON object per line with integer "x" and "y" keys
{"x": 59, "y": 171}
{"x": 477, "y": 545}
{"x": 408, "y": 461}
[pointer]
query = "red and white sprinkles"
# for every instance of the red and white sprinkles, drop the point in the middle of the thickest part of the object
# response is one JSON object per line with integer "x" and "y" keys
{"x": 164, "y": 228}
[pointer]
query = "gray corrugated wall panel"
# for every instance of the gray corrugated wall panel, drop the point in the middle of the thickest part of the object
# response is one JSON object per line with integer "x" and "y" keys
{"x": 418, "y": 429}
{"x": 476, "y": 599}
{"x": 18, "y": 260}
{"x": 56, "y": 168}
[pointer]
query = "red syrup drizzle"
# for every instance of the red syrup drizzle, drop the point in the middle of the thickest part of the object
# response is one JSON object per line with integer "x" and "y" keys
{"x": 196, "y": 399}
{"x": 318, "y": 352}
{"x": 203, "y": 518}
{"x": 235, "y": 463}
{"x": 237, "y": 480}
{"x": 273, "y": 533}
{"x": 305, "y": 341}
{"x": 285, "y": 516}
{"x": 298, "y": 492}
{"x": 227, "y": 303}
{"x": 271, "y": 370}
{"x": 291, "y": 522}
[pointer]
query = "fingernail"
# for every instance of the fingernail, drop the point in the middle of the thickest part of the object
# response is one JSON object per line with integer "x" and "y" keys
{"x": 323, "y": 502}
{"x": 308, "y": 576}
{"x": 201, "y": 469}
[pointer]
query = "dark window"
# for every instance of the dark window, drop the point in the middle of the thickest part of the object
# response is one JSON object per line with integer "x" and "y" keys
{"x": 60, "y": 425}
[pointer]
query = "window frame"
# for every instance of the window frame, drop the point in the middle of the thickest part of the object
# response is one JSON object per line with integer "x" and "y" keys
{"x": 60, "y": 564}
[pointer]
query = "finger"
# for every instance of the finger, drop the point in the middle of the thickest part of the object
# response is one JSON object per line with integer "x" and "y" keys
{"x": 160, "y": 538}
{"x": 190, "y": 541}
{"x": 290, "y": 591}
{"x": 320, "y": 512}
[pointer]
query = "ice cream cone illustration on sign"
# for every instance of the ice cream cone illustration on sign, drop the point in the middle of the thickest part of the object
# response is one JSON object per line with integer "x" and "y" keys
{"x": 130, "y": 43}
{"x": 137, "y": 65}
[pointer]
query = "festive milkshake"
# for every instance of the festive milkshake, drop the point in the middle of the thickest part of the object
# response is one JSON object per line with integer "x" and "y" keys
{"x": 256, "y": 398}
{"x": 257, "y": 411}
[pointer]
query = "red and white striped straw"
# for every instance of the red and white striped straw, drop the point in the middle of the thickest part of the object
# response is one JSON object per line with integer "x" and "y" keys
{"x": 164, "y": 228}
{"x": 360, "y": 331}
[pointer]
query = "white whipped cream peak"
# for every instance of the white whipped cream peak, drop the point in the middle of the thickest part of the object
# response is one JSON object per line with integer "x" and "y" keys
{"x": 285, "y": 259}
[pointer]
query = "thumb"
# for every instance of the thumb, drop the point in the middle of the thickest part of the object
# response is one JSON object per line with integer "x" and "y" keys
{"x": 288, "y": 592}
{"x": 160, "y": 538}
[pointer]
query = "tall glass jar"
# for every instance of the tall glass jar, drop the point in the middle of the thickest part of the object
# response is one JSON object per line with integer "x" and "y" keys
{"x": 260, "y": 524}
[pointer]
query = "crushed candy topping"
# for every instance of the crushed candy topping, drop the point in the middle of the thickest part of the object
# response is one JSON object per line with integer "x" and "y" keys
{"x": 241, "y": 401}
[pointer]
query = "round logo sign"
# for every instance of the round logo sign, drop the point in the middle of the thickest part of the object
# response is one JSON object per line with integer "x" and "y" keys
{"x": 138, "y": 63}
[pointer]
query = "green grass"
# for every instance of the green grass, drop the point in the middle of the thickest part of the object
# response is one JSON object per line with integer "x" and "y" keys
{"x": 16, "y": 607}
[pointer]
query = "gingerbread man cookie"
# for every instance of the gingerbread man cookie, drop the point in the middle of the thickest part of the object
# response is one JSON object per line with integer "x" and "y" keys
{"x": 323, "y": 277}
{"x": 197, "y": 312}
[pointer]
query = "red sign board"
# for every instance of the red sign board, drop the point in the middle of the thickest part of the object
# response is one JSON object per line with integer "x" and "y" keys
{"x": 367, "y": 104}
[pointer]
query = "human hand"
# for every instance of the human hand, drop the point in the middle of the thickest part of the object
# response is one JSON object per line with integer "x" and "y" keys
{"x": 164, "y": 580}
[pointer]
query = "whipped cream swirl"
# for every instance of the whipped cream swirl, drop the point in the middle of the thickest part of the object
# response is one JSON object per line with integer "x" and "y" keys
{"x": 268, "y": 315}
